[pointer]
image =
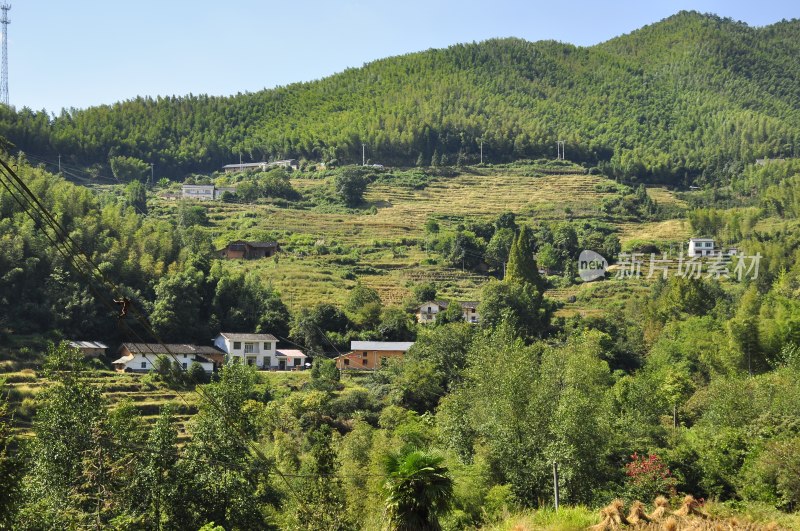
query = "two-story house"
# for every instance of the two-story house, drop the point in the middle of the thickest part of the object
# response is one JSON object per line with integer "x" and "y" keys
{"x": 426, "y": 313}
{"x": 701, "y": 247}
{"x": 253, "y": 349}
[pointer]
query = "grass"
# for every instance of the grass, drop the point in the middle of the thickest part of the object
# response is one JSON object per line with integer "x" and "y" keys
{"x": 722, "y": 516}
{"x": 565, "y": 519}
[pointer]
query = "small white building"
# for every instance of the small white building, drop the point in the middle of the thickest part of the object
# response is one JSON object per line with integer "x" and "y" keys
{"x": 289, "y": 164}
{"x": 289, "y": 359}
{"x": 701, "y": 247}
{"x": 258, "y": 350}
{"x": 426, "y": 313}
{"x": 201, "y": 192}
{"x": 142, "y": 357}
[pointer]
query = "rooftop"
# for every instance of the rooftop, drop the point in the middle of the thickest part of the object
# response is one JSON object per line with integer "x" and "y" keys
{"x": 233, "y": 336}
{"x": 381, "y": 345}
{"x": 289, "y": 353}
{"x": 87, "y": 344}
{"x": 158, "y": 348}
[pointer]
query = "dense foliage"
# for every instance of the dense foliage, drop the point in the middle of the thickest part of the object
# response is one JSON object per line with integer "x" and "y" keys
{"x": 688, "y": 98}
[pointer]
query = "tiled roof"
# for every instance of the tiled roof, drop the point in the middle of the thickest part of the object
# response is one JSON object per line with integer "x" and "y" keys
{"x": 88, "y": 344}
{"x": 381, "y": 345}
{"x": 290, "y": 353}
{"x": 233, "y": 336}
{"x": 158, "y": 348}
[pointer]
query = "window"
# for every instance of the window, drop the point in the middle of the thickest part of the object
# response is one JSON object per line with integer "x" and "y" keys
{"x": 364, "y": 355}
{"x": 249, "y": 348}
{"x": 144, "y": 365}
{"x": 297, "y": 362}
{"x": 346, "y": 361}
{"x": 266, "y": 345}
{"x": 184, "y": 356}
{"x": 364, "y": 361}
{"x": 237, "y": 345}
{"x": 185, "y": 366}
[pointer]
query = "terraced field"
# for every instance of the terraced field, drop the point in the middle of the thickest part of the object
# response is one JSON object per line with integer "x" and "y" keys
{"x": 23, "y": 387}
{"x": 387, "y": 249}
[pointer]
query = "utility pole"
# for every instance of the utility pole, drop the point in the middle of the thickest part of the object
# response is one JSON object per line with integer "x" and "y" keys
{"x": 481, "y": 151}
{"x": 4, "y": 74}
{"x": 363, "y": 154}
{"x": 555, "y": 483}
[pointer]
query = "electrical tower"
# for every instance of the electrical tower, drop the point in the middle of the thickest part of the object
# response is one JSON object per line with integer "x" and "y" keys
{"x": 4, "y": 79}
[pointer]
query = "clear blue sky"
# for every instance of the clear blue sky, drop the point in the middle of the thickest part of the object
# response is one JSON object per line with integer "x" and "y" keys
{"x": 77, "y": 54}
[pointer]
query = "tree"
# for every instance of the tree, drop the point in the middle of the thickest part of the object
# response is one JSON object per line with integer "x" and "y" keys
{"x": 350, "y": 186}
{"x": 324, "y": 375}
{"x": 454, "y": 313}
{"x": 499, "y": 248}
{"x": 424, "y": 292}
{"x": 69, "y": 415}
{"x": 157, "y": 476}
{"x": 9, "y": 467}
{"x": 231, "y": 489}
{"x": 519, "y": 306}
{"x": 244, "y": 303}
{"x": 323, "y": 505}
{"x": 418, "y": 490}
{"x": 136, "y": 196}
{"x": 189, "y": 215}
{"x": 396, "y": 325}
{"x": 361, "y": 296}
{"x": 128, "y": 168}
{"x": 522, "y": 266}
{"x": 179, "y": 307}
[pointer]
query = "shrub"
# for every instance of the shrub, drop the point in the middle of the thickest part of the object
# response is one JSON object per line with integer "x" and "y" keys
{"x": 647, "y": 477}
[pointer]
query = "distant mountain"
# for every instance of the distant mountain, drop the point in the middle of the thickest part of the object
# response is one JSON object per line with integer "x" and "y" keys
{"x": 692, "y": 96}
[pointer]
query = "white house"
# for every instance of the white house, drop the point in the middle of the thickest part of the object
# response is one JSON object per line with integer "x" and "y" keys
{"x": 141, "y": 357}
{"x": 201, "y": 192}
{"x": 253, "y": 349}
{"x": 289, "y": 359}
{"x": 701, "y": 247}
{"x": 426, "y": 313}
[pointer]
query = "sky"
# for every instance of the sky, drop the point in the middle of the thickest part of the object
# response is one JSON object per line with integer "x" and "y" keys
{"x": 84, "y": 53}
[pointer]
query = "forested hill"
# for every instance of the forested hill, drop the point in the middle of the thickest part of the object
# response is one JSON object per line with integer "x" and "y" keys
{"x": 684, "y": 99}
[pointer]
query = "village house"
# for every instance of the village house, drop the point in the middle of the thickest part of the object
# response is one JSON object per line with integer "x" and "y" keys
{"x": 289, "y": 164}
{"x": 205, "y": 192}
{"x": 370, "y": 355}
{"x": 700, "y": 247}
{"x": 141, "y": 357}
{"x": 201, "y": 192}
{"x": 248, "y": 250}
{"x": 426, "y": 313}
{"x": 90, "y": 349}
{"x": 259, "y": 350}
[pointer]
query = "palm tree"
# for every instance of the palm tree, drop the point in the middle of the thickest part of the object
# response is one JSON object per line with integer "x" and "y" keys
{"x": 418, "y": 490}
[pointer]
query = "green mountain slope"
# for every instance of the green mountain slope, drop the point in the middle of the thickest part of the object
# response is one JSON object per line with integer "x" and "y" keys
{"x": 684, "y": 98}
